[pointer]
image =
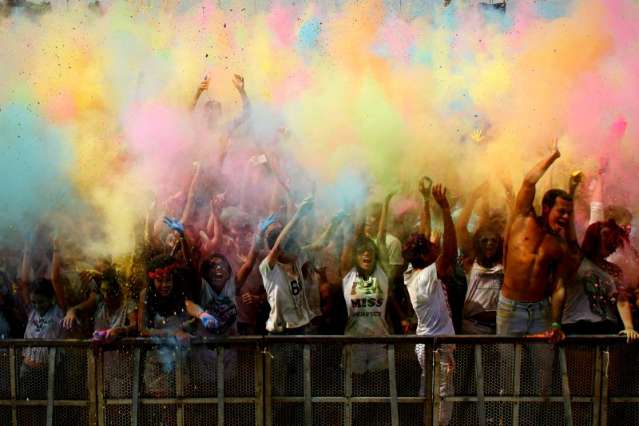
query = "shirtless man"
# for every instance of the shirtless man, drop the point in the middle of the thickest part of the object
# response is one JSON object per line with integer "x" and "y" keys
{"x": 536, "y": 260}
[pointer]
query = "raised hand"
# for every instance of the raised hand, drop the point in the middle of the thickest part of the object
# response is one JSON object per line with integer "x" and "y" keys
{"x": 575, "y": 179}
{"x": 306, "y": 206}
{"x": 439, "y": 194}
{"x": 174, "y": 224}
{"x": 238, "y": 82}
{"x": 266, "y": 222}
{"x": 424, "y": 186}
{"x": 204, "y": 85}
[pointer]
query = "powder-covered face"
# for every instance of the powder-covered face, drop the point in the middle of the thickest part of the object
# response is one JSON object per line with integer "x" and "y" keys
{"x": 365, "y": 257}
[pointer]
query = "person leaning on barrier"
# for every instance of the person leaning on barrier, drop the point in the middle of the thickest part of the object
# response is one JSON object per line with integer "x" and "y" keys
{"x": 162, "y": 313}
{"x": 283, "y": 277}
{"x": 537, "y": 259}
{"x": 44, "y": 302}
{"x": 427, "y": 266}
{"x": 114, "y": 314}
{"x": 591, "y": 297}
{"x": 365, "y": 289}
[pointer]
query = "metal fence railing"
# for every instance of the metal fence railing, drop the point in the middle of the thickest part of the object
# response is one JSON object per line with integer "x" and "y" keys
{"x": 320, "y": 380}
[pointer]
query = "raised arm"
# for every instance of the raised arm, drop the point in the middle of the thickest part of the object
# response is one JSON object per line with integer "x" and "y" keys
{"x": 238, "y": 82}
{"x": 203, "y": 87}
{"x": 187, "y": 213}
{"x": 526, "y": 195}
{"x": 25, "y": 271}
{"x": 323, "y": 240}
{"x": 446, "y": 260}
{"x": 381, "y": 235}
{"x": 58, "y": 288}
{"x": 571, "y": 233}
{"x": 352, "y": 232}
{"x": 304, "y": 208}
{"x": 424, "y": 186}
{"x": 463, "y": 236}
{"x": 247, "y": 266}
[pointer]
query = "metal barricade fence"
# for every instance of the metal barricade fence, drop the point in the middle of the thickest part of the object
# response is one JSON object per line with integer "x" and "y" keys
{"x": 323, "y": 380}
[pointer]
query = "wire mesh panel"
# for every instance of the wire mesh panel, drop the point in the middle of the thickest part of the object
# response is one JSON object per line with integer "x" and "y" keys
{"x": 623, "y": 370}
{"x": 201, "y": 367}
{"x": 5, "y": 379}
{"x": 327, "y": 371}
{"x": 411, "y": 414}
{"x": 371, "y": 414}
{"x": 464, "y": 372}
{"x": 32, "y": 416}
{"x": 65, "y": 416}
{"x": 118, "y": 415}
{"x": 117, "y": 372}
{"x": 581, "y": 360}
{"x": 287, "y": 370}
{"x": 408, "y": 371}
{"x": 328, "y": 414}
{"x": 158, "y": 415}
{"x": 623, "y": 413}
{"x": 239, "y": 371}
{"x": 551, "y": 413}
{"x": 5, "y": 416}
{"x": 71, "y": 375}
{"x": 200, "y": 414}
{"x": 582, "y": 413}
{"x": 32, "y": 380}
{"x": 239, "y": 414}
{"x": 540, "y": 370}
{"x": 158, "y": 372}
{"x": 288, "y": 413}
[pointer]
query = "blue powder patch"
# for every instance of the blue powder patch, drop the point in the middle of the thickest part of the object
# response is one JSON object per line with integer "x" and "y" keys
{"x": 33, "y": 168}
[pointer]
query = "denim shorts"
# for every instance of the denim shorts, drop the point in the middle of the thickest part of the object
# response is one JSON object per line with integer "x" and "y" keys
{"x": 520, "y": 318}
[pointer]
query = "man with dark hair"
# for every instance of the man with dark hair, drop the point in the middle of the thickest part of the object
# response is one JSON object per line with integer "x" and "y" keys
{"x": 536, "y": 259}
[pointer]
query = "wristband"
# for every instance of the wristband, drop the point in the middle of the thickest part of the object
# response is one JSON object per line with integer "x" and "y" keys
{"x": 555, "y": 325}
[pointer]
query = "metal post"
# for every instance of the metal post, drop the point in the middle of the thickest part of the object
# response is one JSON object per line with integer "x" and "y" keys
{"x": 308, "y": 405}
{"x": 268, "y": 387}
{"x": 392, "y": 380}
{"x": 436, "y": 382}
{"x": 565, "y": 386}
{"x": 12, "y": 372}
{"x": 135, "y": 396}
{"x": 479, "y": 380}
{"x": 259, "y": 387}
{"x": 348, "y": 386}
{"x": 517, "y": 383}
{"x": 604, "y": 386}
{"x": 220, "y": 385}
{"x": 100, "y": 388}
{"x": 179, "y": 386}
{"x": 51, "y": 385}
{"x": 426, "y": 384}
{"x": 596, "y": 400}
{"x": 91, "y": 387}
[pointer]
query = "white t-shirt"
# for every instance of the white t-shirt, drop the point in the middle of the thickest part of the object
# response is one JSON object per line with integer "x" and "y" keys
{"x": 393, "y": 249}
{"x": 484, "y": 285}
{"x": 47, "y": 326}
{"x": 366, "y": 303}
{"x": 286, "y": 295}
{"x": 429, "y": 301}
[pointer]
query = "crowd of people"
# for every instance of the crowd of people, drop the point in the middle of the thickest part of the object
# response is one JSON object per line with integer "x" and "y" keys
{"x": 206, "y": 267}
